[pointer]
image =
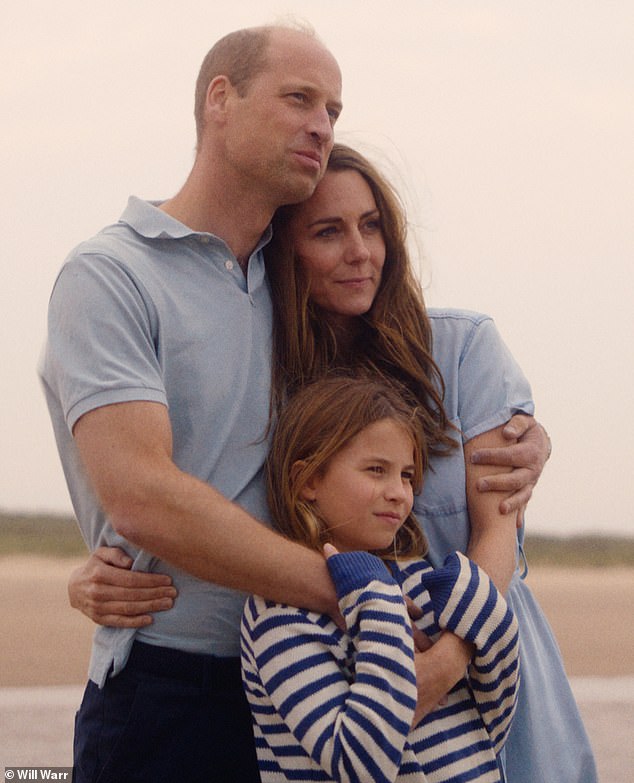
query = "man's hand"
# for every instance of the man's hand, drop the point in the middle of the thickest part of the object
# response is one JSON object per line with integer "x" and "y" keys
{"x": 107, "y": 592}
{"x": 527, "y": 455}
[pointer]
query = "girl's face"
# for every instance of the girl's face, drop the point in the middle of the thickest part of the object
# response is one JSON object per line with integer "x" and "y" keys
{"x": 365, "y": 494}
{"x": 339, "y": 243}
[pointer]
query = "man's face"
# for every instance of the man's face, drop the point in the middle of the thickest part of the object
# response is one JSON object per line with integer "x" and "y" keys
{"x": 279, "y": 134}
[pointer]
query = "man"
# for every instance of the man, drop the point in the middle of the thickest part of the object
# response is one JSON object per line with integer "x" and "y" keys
{"x": 157, "y": 375}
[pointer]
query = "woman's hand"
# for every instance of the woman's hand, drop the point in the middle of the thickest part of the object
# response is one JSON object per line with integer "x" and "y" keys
{"x": 526, "y": 457}
{"x": 438, "y": 669}
{"x": 109, "y": 593}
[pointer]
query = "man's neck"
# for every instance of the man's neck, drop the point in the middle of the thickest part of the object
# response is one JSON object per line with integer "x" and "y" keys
{"x": 205, "y": 203}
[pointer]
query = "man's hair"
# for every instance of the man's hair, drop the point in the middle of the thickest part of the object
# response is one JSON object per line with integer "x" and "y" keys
{"x": 240, "y": 56}
{"x": 315, "y": 425}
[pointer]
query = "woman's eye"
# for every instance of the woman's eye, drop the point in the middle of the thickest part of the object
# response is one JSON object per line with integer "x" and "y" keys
{"x": 376, "y": 469}
{"x": 329, "y": 231}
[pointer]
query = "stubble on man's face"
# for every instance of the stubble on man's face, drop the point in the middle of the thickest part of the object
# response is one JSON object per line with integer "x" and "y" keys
{"x": 283, "y": 130}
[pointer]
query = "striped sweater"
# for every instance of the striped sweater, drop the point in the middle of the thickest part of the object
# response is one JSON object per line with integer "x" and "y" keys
{"x": 335, "y": 706}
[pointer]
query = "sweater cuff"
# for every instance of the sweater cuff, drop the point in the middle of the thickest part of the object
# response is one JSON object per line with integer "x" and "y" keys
{"x": 352, "y": 570}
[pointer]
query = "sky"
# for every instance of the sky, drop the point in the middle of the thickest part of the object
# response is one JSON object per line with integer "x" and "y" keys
{"x": 507, "y": 126}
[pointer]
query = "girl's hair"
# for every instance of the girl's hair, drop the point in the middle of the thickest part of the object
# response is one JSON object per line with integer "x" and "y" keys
{"x": 314, "y": 426}
{"x": 394, "y": 337}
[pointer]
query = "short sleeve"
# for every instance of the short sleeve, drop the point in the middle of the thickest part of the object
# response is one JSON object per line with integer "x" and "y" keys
{"x": 102, "y": 346}
{"x": 491, "y": 385}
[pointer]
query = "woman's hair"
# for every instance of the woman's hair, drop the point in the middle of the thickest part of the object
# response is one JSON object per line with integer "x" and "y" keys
{"x": 394, "y": 337}
{"x": 315, "y": 425}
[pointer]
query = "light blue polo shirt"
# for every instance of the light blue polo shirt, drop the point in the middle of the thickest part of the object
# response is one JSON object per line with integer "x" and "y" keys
{"x": 151, "y": 310}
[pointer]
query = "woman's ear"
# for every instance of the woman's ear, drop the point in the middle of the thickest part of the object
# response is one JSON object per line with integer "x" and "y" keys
{"x": 308, "y": 489}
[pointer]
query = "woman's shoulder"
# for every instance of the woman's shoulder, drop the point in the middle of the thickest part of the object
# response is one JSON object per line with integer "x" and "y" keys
{"x": 455, "y": 331}
{"x": 454, "y": 316}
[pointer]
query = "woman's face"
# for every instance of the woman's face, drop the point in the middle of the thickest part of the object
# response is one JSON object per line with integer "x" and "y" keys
{"x": 339, "y": 242}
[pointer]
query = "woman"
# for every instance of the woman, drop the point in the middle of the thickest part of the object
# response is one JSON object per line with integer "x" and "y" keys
{"x": 345, "y": 297}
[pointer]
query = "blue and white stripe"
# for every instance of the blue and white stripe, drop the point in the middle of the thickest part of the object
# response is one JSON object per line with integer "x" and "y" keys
{"x": 335, "y": 706}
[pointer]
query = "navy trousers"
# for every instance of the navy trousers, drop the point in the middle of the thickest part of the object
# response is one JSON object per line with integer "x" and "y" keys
{"x": 168, "y": 716}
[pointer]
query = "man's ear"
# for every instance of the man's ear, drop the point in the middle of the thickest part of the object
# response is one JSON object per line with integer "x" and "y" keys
{"x": 219, "y": 90}
{"x": 308, "y": 490}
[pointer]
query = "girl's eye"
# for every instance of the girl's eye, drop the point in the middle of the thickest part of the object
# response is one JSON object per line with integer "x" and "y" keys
{"x": 408, "y": 476}
{"x": 379, "y": 469}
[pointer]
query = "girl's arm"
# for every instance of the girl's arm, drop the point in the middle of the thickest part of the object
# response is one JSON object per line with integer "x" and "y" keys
{"x": 466, "y": 602}
{"x": 353, "y": 725}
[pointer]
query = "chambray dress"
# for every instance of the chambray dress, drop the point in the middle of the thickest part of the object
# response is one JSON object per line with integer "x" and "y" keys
{"x": 484, "y": 388}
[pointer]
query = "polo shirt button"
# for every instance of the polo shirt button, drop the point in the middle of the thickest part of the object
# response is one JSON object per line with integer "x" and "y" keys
{"x": 229, "y": 265}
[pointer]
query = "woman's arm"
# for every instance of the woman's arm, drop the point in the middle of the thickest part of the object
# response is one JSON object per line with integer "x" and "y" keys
{"x": 526, "y": 449}
{"x": 492, "y": 541}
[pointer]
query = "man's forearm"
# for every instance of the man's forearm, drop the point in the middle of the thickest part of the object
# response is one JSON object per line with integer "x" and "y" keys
{"x": 191, "y": 525}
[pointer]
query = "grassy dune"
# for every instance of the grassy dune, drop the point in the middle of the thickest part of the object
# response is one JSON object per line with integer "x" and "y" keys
{"x": 58, "y": 536}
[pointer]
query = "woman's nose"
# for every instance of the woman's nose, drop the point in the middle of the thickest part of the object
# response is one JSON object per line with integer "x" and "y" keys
{"x": 357, "y": 250}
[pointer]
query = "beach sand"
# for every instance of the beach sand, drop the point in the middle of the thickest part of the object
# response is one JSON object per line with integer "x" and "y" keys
{"x": 45, "y": 643}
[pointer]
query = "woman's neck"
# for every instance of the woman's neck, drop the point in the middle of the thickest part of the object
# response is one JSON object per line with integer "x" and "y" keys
{"x": 346, "y": 330}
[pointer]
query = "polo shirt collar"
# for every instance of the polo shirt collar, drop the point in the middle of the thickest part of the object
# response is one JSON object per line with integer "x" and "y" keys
{"x": 147, "y": 220}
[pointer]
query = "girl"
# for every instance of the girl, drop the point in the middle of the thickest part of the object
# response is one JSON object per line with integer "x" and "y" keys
{"x": 346, "y": 458}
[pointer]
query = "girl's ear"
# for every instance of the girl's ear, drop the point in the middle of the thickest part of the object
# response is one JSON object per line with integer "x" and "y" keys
{"x": 308, "y": 490}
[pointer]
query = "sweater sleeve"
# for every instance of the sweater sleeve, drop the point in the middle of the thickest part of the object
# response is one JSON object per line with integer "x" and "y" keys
{"x": 352, "y": 718}
{"x": 466, "y": 602}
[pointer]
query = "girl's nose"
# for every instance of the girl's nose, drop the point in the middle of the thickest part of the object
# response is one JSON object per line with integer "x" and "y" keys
{"x": 398, "y": 489}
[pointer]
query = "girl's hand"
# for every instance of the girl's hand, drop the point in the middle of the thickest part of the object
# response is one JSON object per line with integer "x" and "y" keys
{"x": 109, "y": 593}
{"x": 330, "y": 550}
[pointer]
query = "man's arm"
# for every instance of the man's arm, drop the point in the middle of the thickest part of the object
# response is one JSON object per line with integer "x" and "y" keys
{"x": 127, "y": 452}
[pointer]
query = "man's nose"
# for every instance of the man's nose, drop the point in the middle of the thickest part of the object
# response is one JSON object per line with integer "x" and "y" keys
{"x": 321, "y": 125}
